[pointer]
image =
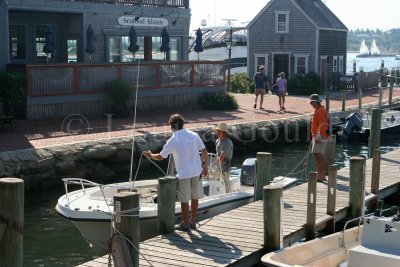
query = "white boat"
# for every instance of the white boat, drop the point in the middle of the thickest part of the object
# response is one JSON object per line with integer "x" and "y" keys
{"x": 215, "y": 46}
{"x": 364, "y": 51}
{"x": 375, "y": 49}
{"x": 358, "y": 127}
{"x": 90, "y": 207}
{"x": 397, "y": 57}
{"x": 376, "y": 243}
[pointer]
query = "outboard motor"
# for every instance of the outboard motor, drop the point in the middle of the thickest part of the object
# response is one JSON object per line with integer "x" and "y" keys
{"x": 248, "y": 173}
{"x": 354, "y": 122}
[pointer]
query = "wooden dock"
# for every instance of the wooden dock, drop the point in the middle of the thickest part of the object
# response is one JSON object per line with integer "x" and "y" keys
{"x": 235, "y": 238}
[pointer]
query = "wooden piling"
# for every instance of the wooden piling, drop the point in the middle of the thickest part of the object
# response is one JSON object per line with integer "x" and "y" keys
{"x": 357, "y": 186}
{"x": 327, "y": 98}
{"x": 391, "y": 90}
{"x": 263, "y": 173}
{"x": 11, "y": 221}
{"x": 359, "y": 98}
{"x": 128, "y": 224}
{"x": 311, "y": 205}
{"x": 331, "y": 198}
{"x": 380, "y": 96}
{"x": 330, "y": 151}
{"x": 272, "y": 204}
{"x": 166, "y": 204}
{"x": 343, "y": 101}
{"x": 376, "y": 170}
{"x": 375, "y": 130}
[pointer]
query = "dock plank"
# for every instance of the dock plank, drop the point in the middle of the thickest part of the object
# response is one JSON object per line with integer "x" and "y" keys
{"x": 236, "y": 237}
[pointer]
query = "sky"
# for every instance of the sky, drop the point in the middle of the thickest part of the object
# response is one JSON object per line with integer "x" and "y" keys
{"x": 355, "y": 14}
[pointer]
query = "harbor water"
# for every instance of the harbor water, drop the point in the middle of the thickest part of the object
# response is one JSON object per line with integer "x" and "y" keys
{"x": 369, "y": 64}
{"x": 51, "y": 240}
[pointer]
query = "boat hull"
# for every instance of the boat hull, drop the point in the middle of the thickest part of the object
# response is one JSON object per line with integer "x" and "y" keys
{"x": 98, "y": 231}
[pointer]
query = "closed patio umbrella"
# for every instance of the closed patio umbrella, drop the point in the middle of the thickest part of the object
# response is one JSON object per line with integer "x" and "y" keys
{"x": 133, "y": 47}
{"x": 165, "y": 42}
{"x": 198, "y": 47}
{"x": 90, "y": 48}
{"x": 48, "y": 47}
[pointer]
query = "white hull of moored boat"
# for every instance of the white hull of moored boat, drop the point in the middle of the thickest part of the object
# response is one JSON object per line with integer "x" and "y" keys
{"x": 95, "y": 225}
{"x": 90, "y": 211}
{"x": 376, "y": 243}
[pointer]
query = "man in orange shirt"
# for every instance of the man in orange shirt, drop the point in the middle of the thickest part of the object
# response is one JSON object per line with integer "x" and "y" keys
{"x": 319, "y": 127}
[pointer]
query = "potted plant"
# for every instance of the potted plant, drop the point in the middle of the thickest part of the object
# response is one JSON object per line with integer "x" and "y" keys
{"x": 119, "y": 95}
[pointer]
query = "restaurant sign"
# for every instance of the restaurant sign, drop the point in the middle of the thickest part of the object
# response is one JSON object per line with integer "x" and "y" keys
{"x": 142, "y": 21}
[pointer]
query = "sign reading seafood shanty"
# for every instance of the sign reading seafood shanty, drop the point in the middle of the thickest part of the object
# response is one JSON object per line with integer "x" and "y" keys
{"x": 150, "y": 22}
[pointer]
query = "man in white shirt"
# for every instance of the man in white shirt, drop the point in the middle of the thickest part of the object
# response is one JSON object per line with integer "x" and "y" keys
{"x": 185, "y": 145}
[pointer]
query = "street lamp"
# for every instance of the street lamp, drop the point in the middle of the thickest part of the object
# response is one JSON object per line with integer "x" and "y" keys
{"x": 229, "y": 44}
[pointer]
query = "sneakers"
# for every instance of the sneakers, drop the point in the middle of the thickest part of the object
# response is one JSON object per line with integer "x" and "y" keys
{"x": 255, "y": 106}
{"x": 183, "y": 228}
{"x": 192, "y": 225}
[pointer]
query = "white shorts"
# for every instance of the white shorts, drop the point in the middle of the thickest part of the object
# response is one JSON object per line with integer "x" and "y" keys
{"x": 189, "y": 189}
{"x": 319, "y": 147}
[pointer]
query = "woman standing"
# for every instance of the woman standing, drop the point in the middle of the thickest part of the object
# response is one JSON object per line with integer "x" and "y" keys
{"x": 282, "y": 90}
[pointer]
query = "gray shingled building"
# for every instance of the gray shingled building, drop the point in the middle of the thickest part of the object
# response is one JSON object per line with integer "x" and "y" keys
{"x": 298, "y": 36}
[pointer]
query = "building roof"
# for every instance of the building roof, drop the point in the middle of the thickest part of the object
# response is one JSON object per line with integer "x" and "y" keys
{"x": 315, "y": 10}
{"x": 320, "y": 14}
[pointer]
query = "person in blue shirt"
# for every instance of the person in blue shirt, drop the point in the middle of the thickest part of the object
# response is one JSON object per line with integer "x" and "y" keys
{"x": 261, "y": 82}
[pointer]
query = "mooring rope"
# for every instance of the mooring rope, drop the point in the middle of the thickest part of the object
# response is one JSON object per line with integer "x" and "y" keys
{"x": 134, "y": 121}
{"x": 305, "y": 159}
{"x": 114, "y": 230}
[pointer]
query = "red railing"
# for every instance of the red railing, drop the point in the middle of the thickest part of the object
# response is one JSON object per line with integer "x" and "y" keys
{"x": 164, "y": 3}
{"x": 68, "y": 79}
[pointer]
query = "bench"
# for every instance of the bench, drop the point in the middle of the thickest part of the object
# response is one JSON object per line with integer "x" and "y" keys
{"x": 5, "y": 119}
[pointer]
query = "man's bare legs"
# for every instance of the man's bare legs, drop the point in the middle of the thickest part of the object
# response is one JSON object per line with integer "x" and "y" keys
{"x": 185, "y": 213}
{"x": 320, "y": 161}
{"x": 194, "y": 205}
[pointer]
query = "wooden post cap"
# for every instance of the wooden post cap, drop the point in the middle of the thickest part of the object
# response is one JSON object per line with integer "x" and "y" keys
{"x": 11, "y": 180}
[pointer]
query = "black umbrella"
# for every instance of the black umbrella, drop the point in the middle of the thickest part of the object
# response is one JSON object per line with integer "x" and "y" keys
{"x": 164, "y": 42}
{"x": 90, "y": 48}
{"x": 48, "y": 47}
{"x": 133, "y": 47}
{"x": 198, "y": 47}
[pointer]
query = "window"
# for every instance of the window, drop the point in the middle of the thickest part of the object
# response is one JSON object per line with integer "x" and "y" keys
{"x": 40, "y": 40}
{"x": 261, "y": 60}
{"x": 17, "y": 42}
{"x": 281, "y": 22}
{"x": 72, "y": 48}
{"x": 335, "y": 64}
{"x": 301, "y": 64}
{"x": 341, "y": 64}
{"x": 118, "y": 49}
{"x": 175, "y": 52}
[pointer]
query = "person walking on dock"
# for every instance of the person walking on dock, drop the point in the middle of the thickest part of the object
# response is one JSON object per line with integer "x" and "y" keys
{"x": 319, "y": 127}
{"x": 261, "y": 83}
{"x": 224, "y": 150}
{"x": 185, "y": 145}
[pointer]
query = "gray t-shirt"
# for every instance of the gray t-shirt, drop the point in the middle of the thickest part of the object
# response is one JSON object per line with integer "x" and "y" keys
{"x": 225, "y": 145}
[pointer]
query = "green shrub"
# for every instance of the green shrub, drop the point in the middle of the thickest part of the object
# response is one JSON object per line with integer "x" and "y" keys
{"x": 120, "y": 92}
{"x": 240, "y": 83}
{"x": 13, "y": 94}
{"x": 304, "y": 84}
{"x": 218, "y": 101}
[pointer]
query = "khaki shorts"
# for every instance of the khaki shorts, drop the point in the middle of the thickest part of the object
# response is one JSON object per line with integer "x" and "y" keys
{"x": 189, "y": 189}
{"x": 319, "y": 147}
{"x": 260, "y": 91}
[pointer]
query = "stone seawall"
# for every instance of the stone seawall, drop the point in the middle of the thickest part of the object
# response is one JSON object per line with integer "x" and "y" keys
{"x": 109, "y": 158}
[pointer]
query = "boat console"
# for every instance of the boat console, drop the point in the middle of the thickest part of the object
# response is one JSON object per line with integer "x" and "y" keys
{"x": 380, "y": 245}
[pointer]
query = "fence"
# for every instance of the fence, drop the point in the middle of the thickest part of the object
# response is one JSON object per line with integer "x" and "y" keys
{"x": 56, "y": 90}
{"x": 360, "y": 80}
